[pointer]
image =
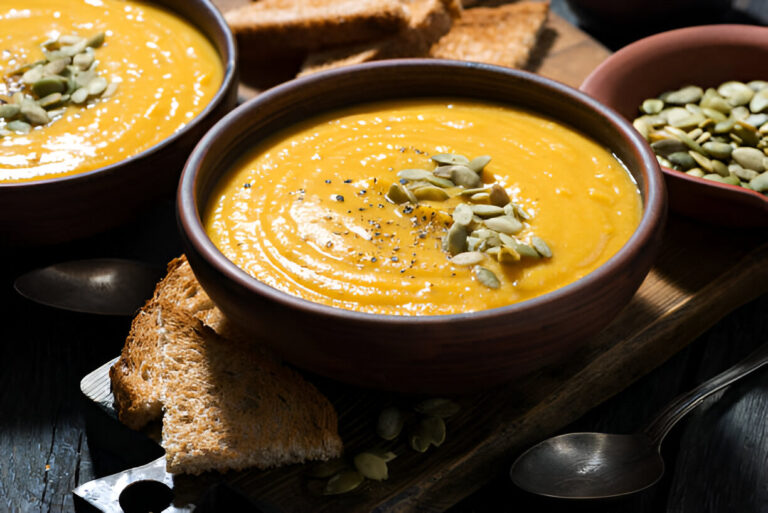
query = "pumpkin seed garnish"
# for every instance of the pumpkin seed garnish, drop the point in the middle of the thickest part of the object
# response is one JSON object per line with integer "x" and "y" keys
{"x": 487, "y": 277}
{"x": 390, "y": 423}
{"x": 343, "y": 482}
{"x": 371, "y": 466}
{"x": 486, "y": 213}
{"x": 67, "y": 76}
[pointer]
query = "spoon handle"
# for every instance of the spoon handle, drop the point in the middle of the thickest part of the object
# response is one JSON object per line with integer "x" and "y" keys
{"x": 658, "y": 428}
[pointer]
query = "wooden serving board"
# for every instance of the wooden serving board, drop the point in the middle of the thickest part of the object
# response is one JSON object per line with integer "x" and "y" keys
{"x": 703, "y": 273}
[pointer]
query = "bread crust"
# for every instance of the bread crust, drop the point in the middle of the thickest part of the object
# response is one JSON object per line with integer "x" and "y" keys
{"x": 274, "y": 25}
{"x": 503, "y": 35}
{"x": 225, "y": 402}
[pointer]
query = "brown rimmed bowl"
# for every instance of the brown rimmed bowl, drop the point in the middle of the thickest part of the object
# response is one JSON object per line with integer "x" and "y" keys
{"x": 706, "y": 56}
{"x": 429, "y": 354}
{"x": 55, "y": 210}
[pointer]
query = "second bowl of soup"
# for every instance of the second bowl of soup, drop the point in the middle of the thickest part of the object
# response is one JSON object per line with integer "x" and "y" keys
{"x": 420, "y": 225}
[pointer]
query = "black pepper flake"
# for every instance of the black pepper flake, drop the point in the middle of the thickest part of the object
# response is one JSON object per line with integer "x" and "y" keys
{"x": 397, "y": 249}
{"x": 408, "y": 209}
{"x": 348, "y": 180}
{"x": 423, "y": 218}
{"x": 375, "y": 180}
{"x": 395, "y": 259}
{"x": 422, "y": 235}
{"x": 339, "y": 197}
{"x": 403, "y": 181}
{"x": 361, "y": 209}
{"x": 329, "y": 244}
{"x": 349, "y": 211}
{"x": 377, "y": 234}
{"x": 402, "y": 149}
{"x": 361, "y": 192}
{"x": 327, "y": 181}
{"x": 246, "y": 186}
{"x": 381, "y": 205}
{"x": 373, "y": 259}
{"x": 402, "y": 271}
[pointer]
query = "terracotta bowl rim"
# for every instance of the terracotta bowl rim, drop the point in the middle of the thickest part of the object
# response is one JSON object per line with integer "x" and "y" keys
{"x": 229, "y": 59}
{"x": 190, "y": 224}
{"x": 727, "y": 33}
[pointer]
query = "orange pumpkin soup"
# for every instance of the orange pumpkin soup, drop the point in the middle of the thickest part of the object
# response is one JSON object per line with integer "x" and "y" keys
{"x": 158, "y": 72}
{"x": 311, "y": 210}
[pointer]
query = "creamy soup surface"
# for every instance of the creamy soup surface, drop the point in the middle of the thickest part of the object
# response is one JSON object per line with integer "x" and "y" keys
{"x": 307, "y": 213}
{"x": 166, "y": 73}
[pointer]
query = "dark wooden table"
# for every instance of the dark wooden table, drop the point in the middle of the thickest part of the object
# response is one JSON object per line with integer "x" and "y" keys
{"x": 50, "y": 442}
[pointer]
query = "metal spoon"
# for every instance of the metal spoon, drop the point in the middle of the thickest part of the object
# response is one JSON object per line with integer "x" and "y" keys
{"x": 99, "y": 286}
{"x": 601, "y": 466}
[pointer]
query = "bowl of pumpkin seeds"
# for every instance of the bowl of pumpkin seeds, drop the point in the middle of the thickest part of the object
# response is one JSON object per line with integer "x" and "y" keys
{"x": 699, "y": 96}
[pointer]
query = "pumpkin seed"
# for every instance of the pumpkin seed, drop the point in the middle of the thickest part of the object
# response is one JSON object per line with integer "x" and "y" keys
{"x": 434, "y": 180}
{"x": 682, "y": 159}
{"x": 32, "y": 75}
{"x": 327, "y": 469}
{"x": 20, "y": 127}
{"x": 480, "y": 197}
{"x": 56, "y": 66}
{"x": 414, "y": 174}
{"x": 759, "y": 101}
{"x": 750, "y": 158}
{"x": 541, "y": 246}
{"x": 447, "y": 159}
{"x": 717, "y": 149}
{"x": 741, "y": 173}
{"x": 385, "y": 455}
{"x": 477, "y": 164}
{"x": 486, "y": 277}
{"x": 97, "y": 86}
{"x": 759, "y": 183}
{"x": 430, "y": 431}
{"x": 701, "y": 160}
{"x": 475, "y": 244}
{"x": 443, "y": 172}
{"x": 487, "y": 210}
{"x": 523, "y": 249}
{"x": 430, "y": 193}
{"x": 652, "y": 106}
{"x": 719, "y": 168}
{"x": 50, "y": 100}
{"x": 112, "y": 89}
{"x": 9, "y": 110}
{"x": 95, "y": 40}
{"x": 390, "y": 423}
{"x": 498, "y": 196}
{"x": 736, "y": 93}
{"x": 507, "y": 255}
{"x": 371, "y": 466}
{"x": 69, "y": 39}
{"x": 695, "y": 172}
{"x": 665, "y": 147}
{"x": 456, "y": 239}
{"x": 438, "y": 407}
{"x": 80, "y": 95}
{"x": 688, "y": 94}
{"x": 464, "y": 176}
{"x": 731, "y": 180}
{"x": 476, "y": 190}
{"x": 462, "y": 214}
{"x": 34, "y": 113}
{"x": 343, "y": 482}
{"x": 49, "y": 85}
{"x": 504, "y": 224}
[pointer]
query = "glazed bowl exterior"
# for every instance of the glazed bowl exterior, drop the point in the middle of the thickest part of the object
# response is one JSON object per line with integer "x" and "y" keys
{"x": 706, "y": 56}
{"x": 57, "y": 210}
{"x": 429, "y": 354}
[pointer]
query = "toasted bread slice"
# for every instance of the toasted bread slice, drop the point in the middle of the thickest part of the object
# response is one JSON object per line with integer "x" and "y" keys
{"x": 501, "y": 35}
{"x": 225, "y": 403}
{"x": 430, "y": 20}
{"x": 275, "y": 25}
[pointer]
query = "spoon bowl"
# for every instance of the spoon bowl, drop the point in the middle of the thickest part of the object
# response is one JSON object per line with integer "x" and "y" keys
{"x": 602, "y": 466}
{"x": 99, "y": 286}
{"x": 589, "y": 466}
